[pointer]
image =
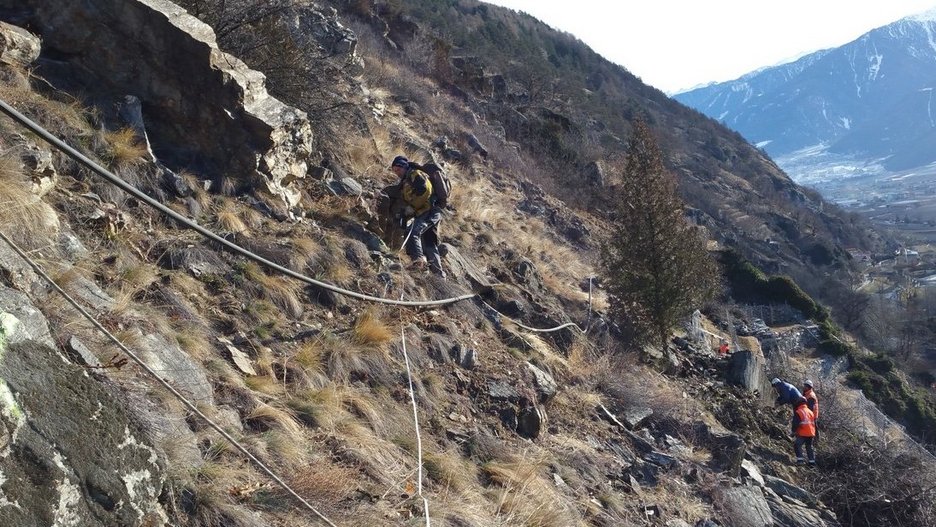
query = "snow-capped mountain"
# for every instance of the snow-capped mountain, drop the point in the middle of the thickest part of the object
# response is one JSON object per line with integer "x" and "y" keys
{"x": 870, "y": 99}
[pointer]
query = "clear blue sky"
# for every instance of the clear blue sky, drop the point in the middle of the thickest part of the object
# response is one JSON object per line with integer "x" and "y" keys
{"x": 677, "y": 44}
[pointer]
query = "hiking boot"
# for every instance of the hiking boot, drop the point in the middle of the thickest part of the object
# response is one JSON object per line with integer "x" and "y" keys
{"x": 800, "y": 461}
{"x": 812, "y": 462}
{"x": 418, "y": 265}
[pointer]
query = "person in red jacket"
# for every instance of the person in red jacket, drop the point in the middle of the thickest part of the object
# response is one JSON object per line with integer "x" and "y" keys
{"x": 804, "y": 429}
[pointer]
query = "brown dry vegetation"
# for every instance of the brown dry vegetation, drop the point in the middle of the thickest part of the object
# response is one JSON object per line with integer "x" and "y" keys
{"x": 329, "y": 408}
{"x": 24, "y": 217}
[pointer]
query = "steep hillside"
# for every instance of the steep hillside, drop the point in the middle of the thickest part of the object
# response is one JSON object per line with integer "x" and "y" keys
{"x": 550, "y": 108}
{"x": 296, "y": 356}
{"x": 870, "y": 99}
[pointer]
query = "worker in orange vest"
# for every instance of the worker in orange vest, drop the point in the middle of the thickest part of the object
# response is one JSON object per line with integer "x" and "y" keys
{"x": 812, "y": 401}
{"x": 804, "y": 429}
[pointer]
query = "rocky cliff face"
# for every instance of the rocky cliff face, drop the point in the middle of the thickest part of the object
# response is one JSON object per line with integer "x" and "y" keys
{"x": 203, "y": 108}
{"x": 71, "y": 453}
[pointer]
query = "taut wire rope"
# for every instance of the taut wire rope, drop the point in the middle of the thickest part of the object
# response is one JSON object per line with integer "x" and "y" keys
{"x": 188, "y": 404}
{"x": 133, "y": 191}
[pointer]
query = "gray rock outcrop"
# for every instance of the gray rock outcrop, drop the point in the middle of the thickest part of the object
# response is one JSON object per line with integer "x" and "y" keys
{"x": 20, "y": 320}
{"x": 17, "y": 46}
{"x": 195, "y": 97}
{"x": 318, "y": 32}
{"x": 747, "y": 367}
{"x": 745, "y": 506}
{"x": 69, "y": 453}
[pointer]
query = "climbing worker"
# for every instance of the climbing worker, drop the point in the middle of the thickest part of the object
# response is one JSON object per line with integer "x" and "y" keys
{"x": 804, "y": 430}
{"x": 786, "y": 393}
{"x": 423, "y": 243}
{"x": 812, "y": 401}
{"x": 723, "y": 348}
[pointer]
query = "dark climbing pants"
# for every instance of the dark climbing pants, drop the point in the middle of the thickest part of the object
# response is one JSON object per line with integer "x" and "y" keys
{"x": 425, "y": 240}
{"x": 798, "y": 448}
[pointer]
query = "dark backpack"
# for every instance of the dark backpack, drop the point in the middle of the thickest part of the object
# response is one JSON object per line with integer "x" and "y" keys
{"x": 441, "y": 185}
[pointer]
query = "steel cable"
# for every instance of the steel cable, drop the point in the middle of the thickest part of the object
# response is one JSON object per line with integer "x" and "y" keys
{"x": 188, "y": 404}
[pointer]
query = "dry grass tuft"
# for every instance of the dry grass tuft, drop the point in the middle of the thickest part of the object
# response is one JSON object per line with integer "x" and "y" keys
{"x": 254, "y": 218}
{"x": 266, "y": 417}
{"x": 336, "y": 268}
{"x": 371, "y": 332}
{"x": 334, "y": 407}
{"x": 68, "y": 120}
{"x": 306, "y": 251}
{"x": 322, "y": 408}
{"x": 251, "y": 271}
{"x": 451, "y": 471}
{"x": 230, "y": 221}
{"x": 193, "y": 340}
{"x": 347, "y": 361}
{"x": 307, "y": 365}
{"x": 265, "y": 384}
{"x": 208, "y": 489}
{"x": 283, "y": 292}
{"x": 338, "y": 271}
{"x": 325, "y": 483}
{"x": 288, "y": 447}
{"x": 310, "y": 356}
{"x": 24, "y": 217}
{"x": 125, "y": 149}
{"x": 525, "y": 497}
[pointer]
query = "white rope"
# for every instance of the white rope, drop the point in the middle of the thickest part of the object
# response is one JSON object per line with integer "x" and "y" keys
{"x": 412, "y": 393}
{"x": 534, "y": 330}
{"x": 188, "y": 404}
{"x": 588, "y": 320}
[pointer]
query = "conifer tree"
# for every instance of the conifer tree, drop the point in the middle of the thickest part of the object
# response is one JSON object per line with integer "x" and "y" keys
{"x": 655, "y": 264}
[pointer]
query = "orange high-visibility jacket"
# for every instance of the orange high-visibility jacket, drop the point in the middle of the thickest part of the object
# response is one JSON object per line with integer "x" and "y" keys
{"x": 812, "y": 401}
{"x": 804, "y": 424}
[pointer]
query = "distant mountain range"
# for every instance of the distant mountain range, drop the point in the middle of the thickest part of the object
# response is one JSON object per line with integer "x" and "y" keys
{"x": 870, "y": 101}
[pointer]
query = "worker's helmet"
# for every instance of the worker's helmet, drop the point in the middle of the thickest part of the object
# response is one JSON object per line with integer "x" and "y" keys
{"x": 775, "y": 381}
{"x": 808, "y": 383}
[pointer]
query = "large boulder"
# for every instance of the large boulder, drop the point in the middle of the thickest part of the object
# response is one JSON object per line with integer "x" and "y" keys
{"x": 745, "y": 506}
{"x": 728, "y": 449}
{"x": 70, "y": 455}
{"x": 17, "y": 46}
{"x": 198, "y": 102}
{"x": 747, "y": 370}
{"x": 20, "y": 321}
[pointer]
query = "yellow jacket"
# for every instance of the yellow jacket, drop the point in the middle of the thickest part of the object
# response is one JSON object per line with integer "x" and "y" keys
{"x": 413, "y": 182}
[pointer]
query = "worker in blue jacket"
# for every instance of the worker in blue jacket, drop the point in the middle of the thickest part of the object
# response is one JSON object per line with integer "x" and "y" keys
{"x": 786, "y": 393}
